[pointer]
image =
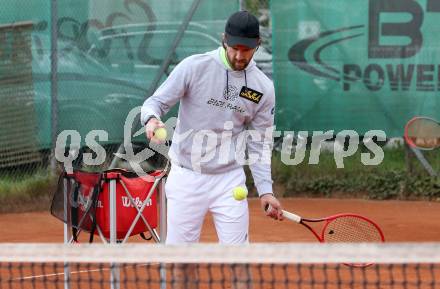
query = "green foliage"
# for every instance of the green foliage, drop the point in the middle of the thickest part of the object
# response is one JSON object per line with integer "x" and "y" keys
{"x": 388, "y": 180}
{"x": 29, "y": 193}
{"x": 389, "y": 185}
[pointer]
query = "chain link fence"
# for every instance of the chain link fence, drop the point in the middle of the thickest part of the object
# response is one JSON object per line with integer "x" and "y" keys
{"x": 110, "y": 56}
{"x": 21, "y": 152}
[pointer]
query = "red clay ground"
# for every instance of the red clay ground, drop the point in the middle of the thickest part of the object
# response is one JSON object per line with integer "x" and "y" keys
{"x": 401, "y": 221}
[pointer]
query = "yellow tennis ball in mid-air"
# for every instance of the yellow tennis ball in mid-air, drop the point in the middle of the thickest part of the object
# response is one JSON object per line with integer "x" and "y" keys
{"x": 160, "y": 134}
{"x": 239, "y": 193}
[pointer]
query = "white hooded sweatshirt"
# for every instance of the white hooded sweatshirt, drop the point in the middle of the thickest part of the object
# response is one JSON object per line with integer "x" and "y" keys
{"x": 222, "y": 112}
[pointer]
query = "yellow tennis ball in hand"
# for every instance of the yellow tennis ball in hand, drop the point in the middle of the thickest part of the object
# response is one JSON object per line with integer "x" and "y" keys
{"x": 239, "y": 193}
{"x": 160, "y": 134}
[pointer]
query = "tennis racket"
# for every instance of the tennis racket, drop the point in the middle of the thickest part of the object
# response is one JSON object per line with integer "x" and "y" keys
{"x": 341, "y": 228}
{"x": 422, "y": 133}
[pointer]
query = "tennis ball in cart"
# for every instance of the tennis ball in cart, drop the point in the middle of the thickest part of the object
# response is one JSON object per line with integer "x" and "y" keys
{"x": 239, "y": 193}
{"x": 160, "y": 134}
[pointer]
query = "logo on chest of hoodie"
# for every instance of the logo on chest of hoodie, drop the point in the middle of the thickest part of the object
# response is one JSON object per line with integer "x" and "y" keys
{"x": 250, "y": 94}
{"x": 230, "y": 93}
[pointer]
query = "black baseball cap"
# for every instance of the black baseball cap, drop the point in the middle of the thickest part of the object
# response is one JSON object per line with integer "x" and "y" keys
{"x": 242, "y": 28}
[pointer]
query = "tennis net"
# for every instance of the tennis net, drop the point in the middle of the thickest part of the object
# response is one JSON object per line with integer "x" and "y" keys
{"x": 283, "y": 265}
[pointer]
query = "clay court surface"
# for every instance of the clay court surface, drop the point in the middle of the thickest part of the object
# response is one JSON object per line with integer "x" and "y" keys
{"x": 401, "y": 221}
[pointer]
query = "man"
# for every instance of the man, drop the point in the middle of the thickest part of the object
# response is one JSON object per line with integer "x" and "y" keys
{"x": 214, "y": 89}
{"x": 221, "y": 92}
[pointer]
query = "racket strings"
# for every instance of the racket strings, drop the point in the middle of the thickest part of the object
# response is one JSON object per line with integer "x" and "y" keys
{"x": 351, "y": 229}
{"x": 423, "y": 132}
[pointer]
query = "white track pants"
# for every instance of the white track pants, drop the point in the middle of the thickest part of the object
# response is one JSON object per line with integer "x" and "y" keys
{"x": 190, "y": 195}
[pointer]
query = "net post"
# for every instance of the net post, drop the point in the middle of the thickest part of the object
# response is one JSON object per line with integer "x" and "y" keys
{"x": 421, "y": 158}
{"x": 114, "y": 268}
{"x": 408, "y": 159}
{"x": 54, "y": 81}
{"x": 66, "y": 233}
{"x": 163, "y": 228}
{"x": 241, "y": 5}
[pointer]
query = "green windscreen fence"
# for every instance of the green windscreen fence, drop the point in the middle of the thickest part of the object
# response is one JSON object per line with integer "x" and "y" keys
{"x": 359, "y": 65}
{"x": 109, "y": 54}
{"x": 18, "y": 129}
{"x": 22, "y": 127}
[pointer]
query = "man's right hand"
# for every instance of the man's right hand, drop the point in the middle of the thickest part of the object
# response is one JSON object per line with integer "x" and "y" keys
{"x": 151, "y": 126}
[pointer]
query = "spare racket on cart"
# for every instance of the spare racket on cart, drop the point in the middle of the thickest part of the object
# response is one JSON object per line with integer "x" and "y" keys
{"x": 341, "y": 228}
{"x": 422, "y": 133}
